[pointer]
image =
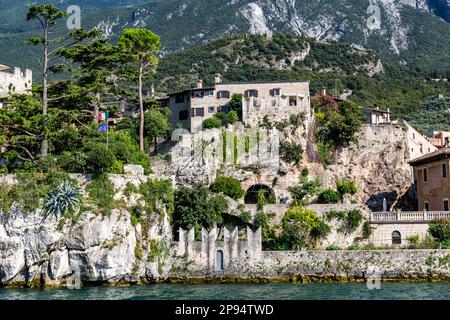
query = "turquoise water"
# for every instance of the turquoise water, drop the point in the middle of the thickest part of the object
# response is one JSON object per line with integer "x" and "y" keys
{"x": 283, "y": 291}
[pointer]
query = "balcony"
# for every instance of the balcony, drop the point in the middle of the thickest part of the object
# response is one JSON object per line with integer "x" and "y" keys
{"x": 409, "y": 216}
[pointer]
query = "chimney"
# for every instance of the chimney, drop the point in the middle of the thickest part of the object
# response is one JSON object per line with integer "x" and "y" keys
{"x": 217, "y": 78}
{"x": 199, "y": 84}
{"x": 323, "y": 92}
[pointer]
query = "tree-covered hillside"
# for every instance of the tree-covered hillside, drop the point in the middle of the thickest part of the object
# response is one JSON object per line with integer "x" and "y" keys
{"x": 337, "y": 67}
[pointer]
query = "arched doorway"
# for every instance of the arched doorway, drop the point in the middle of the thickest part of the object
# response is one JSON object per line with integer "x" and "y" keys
{"x": 396, "y": 237}
{"x": 258, "y": 190}
{"x": 219, "y": 260}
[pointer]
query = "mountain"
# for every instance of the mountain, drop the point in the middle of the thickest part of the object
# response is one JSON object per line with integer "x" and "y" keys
{"x": 411, "y": 32}
{"x": 361, "y": 75}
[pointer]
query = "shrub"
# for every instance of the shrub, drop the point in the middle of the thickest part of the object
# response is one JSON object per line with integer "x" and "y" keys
{"x": 304, "y": 189}
{"x": 333, "y": 247}
{"x": 232, "y": 117}
{"x": 366, "y": 230}
{"x": 352, "y": 221}
{"x": 291, "y": 152}
{"x": 246, "y": 217}
{"x": 439, "y": 229}
{"x": 100, "y": 157}
{"x": 314, "y": 226}
{"x": 228, "y": 186}
{"x": 329, "y": 196}
{"x": 345, "y": 186}
{"x": 101, "y": 192}
{"x": 212, "y": 122}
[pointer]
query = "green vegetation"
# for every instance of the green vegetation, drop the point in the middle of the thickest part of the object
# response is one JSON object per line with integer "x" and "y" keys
{"x": 350, "y": 221}
{"x": 336, "y": 124}
{"x": 196, "y": 208}
{"x": 440, "y": 230}
{"x": 213, "y": 122}
{"x": 346, "y": 186}
{"x": 433, "y": 114}
{"x": 329, "y": 196}
{"x": 139, "y": 47}
{"x": 101, "y": 192}
{"x": 65, "y": 199}
{"x": 291, "y": 152}
{"x": 228, "y": 186}
{"x": 302, "y": 227}
{"x": 305, "y": 189}
{"x": 31, "y": 189}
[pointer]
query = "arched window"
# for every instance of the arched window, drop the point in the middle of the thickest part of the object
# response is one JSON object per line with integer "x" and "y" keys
{"x": 396, "y": 237}
{"x": 219, "y": 260}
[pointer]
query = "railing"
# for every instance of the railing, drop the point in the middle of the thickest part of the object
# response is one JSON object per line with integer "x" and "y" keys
{"x": 409, "y": 216}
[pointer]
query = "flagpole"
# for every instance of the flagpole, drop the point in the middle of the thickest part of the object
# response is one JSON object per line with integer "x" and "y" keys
{"x": 107, "y": 120}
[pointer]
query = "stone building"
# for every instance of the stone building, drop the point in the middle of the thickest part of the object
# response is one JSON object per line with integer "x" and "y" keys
{"x": 377, "y": 116}
{"x": 216, "y": 255}
{"x": 16, "y": 82}
{"x": 277, "y": 100}
{"x": 440, "y": 139}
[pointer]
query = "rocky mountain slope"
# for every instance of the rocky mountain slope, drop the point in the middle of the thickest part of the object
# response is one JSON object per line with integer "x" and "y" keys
{"x": 363, "y": 75}
{"x": 413, "y": 32}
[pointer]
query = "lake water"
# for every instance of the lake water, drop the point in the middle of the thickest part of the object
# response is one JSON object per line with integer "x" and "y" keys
{"x": 277, "y": 291}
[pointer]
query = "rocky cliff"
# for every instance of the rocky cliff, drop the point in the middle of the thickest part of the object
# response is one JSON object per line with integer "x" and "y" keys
{"x": 109, "y": 249}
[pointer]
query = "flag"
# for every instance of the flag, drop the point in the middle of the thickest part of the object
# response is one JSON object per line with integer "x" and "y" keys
{"x": 103, "y": 116}
{"x": 102, "y": 127}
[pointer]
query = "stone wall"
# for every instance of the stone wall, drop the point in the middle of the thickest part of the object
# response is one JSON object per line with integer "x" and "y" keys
{"x": 382, "y": 232}
{"x": 306, "y": 266}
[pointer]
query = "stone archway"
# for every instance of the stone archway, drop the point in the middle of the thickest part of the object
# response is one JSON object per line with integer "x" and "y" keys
{"x": 251, "y": 196}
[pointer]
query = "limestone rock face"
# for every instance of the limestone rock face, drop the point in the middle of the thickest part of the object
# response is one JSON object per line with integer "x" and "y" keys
{"x": 97, "y": 248}
{"x": 133, "y": 169}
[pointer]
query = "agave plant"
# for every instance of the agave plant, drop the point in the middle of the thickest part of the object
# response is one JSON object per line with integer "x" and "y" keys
{"x": 65, "y": 198}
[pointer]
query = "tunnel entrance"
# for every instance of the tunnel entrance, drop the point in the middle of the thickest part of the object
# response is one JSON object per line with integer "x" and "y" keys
{"x": 260, "y": 190}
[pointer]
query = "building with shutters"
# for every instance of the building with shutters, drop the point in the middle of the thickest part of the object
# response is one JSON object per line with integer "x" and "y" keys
{"x": 14, "y": 81}
{"x": 275, "y": 100}
{"x": 432, "y": 180}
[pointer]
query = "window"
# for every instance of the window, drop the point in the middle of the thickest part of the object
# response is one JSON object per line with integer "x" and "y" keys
{"x": 183, "y": 115}
{"x": 426, "y": 206}
{"x": 199, "y": 94}
{"x": 179, "y": 98}
{"x": 251, "y": 93}
{"x": 444, "y": 170}
{"x": 445, "y": 204}
{"x": 292, "y": 101}
{"x": 199, "y": 112}
{"x": 396, "y": 237}
{"x": 425, "y": 175}
{"x": 211, "y": 109}
{"x": 223, "y": 94}
{"x": 275, "y": 92}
